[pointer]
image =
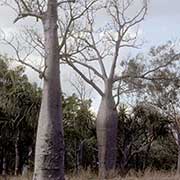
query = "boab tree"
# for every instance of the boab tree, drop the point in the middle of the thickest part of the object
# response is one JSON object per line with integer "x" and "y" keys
{"x": 49, "y": 156}
{"x": 96, "y": 49}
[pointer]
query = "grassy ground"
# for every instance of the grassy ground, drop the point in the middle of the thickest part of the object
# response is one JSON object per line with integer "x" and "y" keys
{"x": 131, "y": 176}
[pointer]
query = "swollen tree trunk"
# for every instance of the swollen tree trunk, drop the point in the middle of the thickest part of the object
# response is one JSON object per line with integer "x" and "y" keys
{"x": 17, "y": 158}
{"x": 106, "y": 127}
{"x": 49, "y": 155}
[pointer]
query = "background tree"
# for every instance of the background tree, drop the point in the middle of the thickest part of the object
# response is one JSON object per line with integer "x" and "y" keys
{"x": 143, "y": 131}
{"x": 137, "y": 131}
{"x": 161, "y": 87}
{"x": 79, "y": 132}
{"x": 20, "y": 103}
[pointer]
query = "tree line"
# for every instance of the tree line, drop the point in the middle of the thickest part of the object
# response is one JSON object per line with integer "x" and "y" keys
{"x": 144, "y": 138}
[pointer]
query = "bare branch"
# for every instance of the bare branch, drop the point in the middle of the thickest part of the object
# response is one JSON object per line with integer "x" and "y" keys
{"x": 89, "y": 67}
{"x": 116, "y": 54}
{"x": 93, "y": 46}
{"x": 174, "y": 58}
{"x": 144, "y": 75}
{"x": 118, "y": 93}
{"x": 23, "y": 15}
{"x": 24, "y": 9}
{"x": 85, "y": 78}
{"x": 67, "y": 1}
{"x": 73, "y": 18}
{"x": 16, "y": 49}
{"x": 122, "y": 29}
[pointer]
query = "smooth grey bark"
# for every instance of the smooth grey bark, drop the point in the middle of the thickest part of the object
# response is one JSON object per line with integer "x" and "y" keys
{"x": 106, "y": 127}
{"x": 49, "y": 156}
{"x": 17, "y": 157}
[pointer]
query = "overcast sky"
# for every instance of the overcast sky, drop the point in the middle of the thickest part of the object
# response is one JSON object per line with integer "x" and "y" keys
{"x": 163, "y": 21}
{"x": 161, "y": 24}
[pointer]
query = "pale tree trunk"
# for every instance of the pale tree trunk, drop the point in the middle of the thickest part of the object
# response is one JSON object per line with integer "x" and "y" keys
{"x": 17, "y": 158}
{"x": 49, "y": 156}
{"x": 106, "y": 126}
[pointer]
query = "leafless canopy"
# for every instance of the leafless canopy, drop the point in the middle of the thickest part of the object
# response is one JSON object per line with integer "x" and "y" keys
{"x": 95, "y": 44}
{"x": 30, "y": 42}
{"x": 91, "y": 36}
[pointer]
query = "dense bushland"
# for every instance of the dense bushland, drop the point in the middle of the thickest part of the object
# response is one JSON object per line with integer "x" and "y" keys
{"x": 145, "y": 140}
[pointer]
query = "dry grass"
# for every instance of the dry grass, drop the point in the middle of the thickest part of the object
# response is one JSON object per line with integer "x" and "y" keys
{"x": 132, "y": 176}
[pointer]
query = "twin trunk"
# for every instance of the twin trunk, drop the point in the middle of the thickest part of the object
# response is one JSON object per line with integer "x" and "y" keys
{"x": 106, "y": 127}
{"x": 49, "y": 156}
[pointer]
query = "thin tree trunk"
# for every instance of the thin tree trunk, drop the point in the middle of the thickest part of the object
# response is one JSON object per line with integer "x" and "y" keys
{"x": 17, "y": 158}
{"x": 178, "y": 163}
{"x": 124, "y": 160}
{"x": 147, "y": 153}
{"x": 106, "y": 126}
{"x": 4, "y": 167}
{"x": 4, "y": 175}
{"x": 49, "y": 156}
